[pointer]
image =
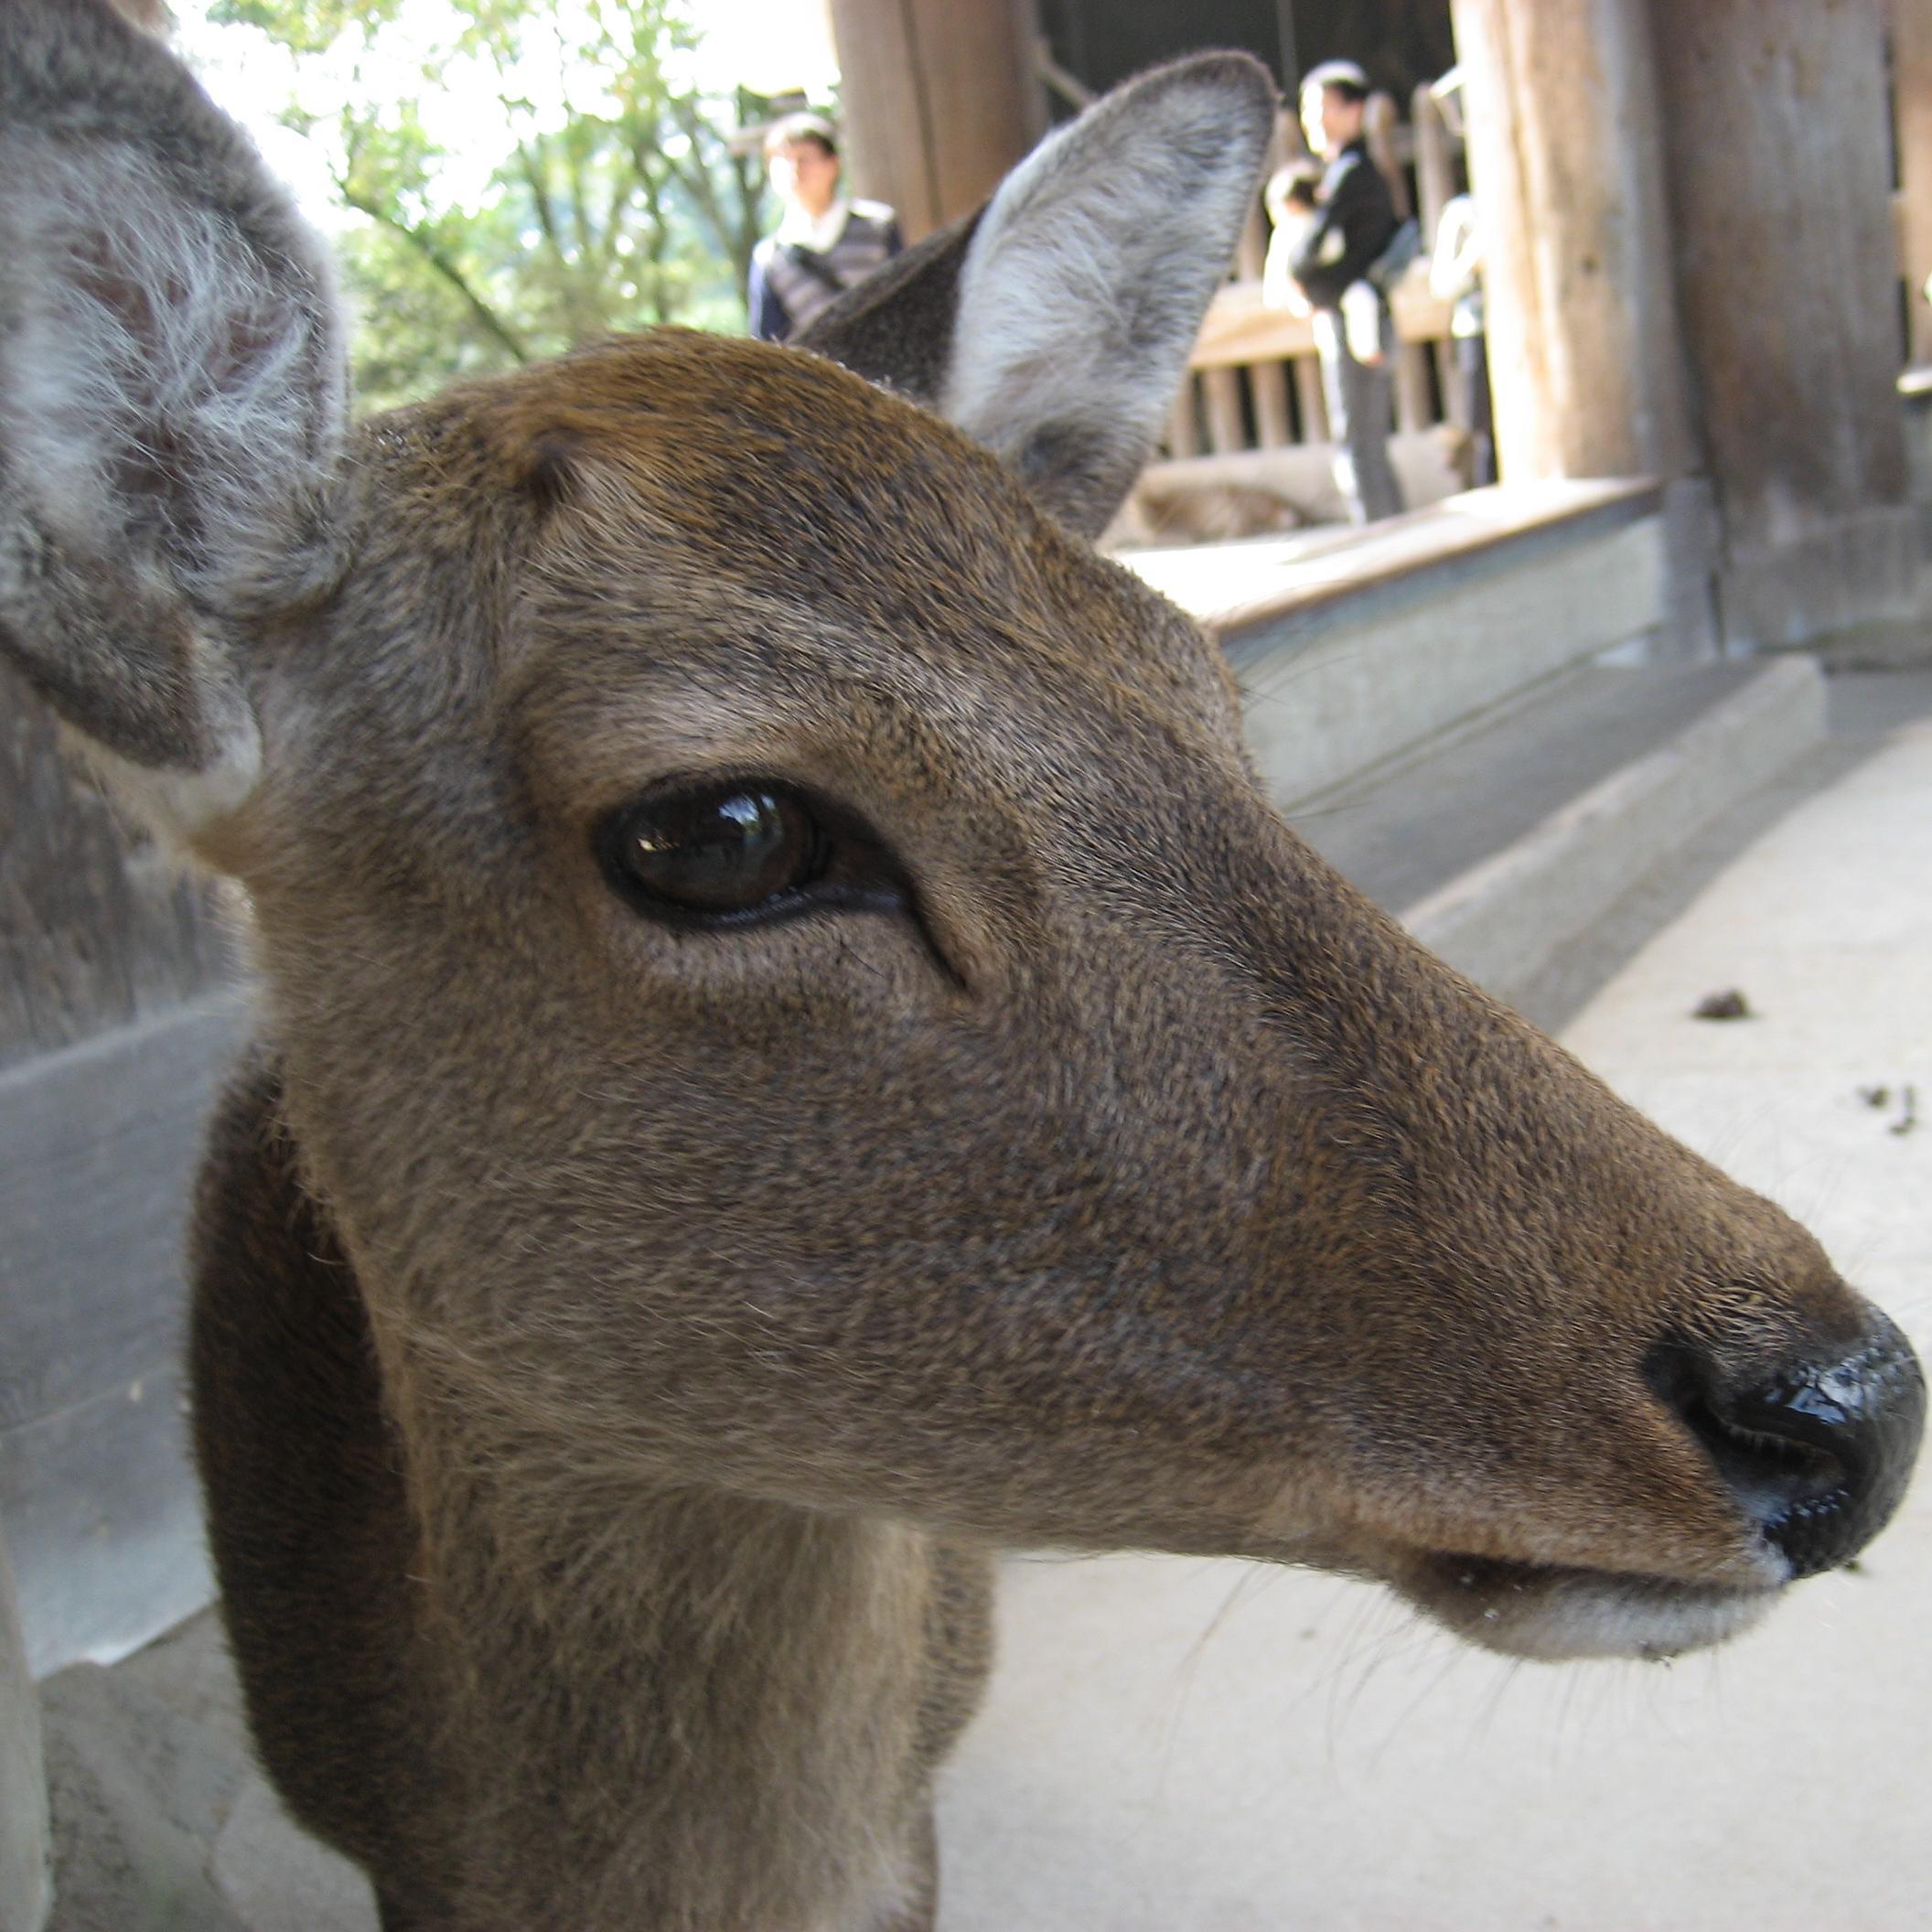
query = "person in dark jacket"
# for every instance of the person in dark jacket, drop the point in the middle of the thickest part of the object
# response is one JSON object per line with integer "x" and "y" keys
{"x": 1355, "y": 224}
{"x": 824, "y": 244}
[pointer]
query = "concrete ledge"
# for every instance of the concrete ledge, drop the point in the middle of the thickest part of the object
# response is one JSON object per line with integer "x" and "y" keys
{"x": 1246, "y": 591}
{"x": 1501, "y": 922}
{"x": 1358, "y": 664}
{"x": 1402, "y": 831}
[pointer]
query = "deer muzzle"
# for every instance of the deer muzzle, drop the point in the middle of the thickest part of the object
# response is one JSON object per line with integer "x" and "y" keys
{"x": 1817, "y": 1453}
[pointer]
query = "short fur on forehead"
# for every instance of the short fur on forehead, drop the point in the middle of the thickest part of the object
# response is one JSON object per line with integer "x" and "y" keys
{"x": 868, "y": 508}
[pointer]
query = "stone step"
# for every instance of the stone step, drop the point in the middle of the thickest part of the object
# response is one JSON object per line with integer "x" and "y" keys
{"x": 1501, "y": 841}
{"x": 1353, "y": 645}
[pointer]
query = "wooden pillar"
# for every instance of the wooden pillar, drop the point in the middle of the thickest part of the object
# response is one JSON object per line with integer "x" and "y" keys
{"x": 1183, "y": 436}
{"x": 938, "y": 100}
{"x": 1911, "y": 85}
{"x": 1226, "y": 428}
{"x": 1566, "y": 162}
{"x": 1310, "y": 398}
{"x": 1775, "y": 129}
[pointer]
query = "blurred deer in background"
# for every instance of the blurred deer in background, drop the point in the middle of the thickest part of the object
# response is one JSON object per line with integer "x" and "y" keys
{"x": 795, "y": 1051}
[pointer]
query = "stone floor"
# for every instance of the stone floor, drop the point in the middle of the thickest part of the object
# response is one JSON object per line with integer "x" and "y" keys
{"x": 1208, "y": 1747}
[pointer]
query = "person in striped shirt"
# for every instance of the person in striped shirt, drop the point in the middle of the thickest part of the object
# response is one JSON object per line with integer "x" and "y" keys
{"x": 825, "y": 242}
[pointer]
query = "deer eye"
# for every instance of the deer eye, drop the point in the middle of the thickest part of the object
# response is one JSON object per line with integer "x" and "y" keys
{"x": 716, "y": 852}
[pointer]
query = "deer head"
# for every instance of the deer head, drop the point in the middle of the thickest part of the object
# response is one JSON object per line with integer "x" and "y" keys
{"x": 785, "y": 981}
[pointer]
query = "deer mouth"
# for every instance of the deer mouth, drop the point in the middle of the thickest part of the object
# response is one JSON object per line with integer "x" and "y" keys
{"x": 1557, "y": 1613}
{"x": 1813, "y": 1455}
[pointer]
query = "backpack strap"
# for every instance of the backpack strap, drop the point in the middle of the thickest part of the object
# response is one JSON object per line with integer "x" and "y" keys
{"x": 814, "y": 265}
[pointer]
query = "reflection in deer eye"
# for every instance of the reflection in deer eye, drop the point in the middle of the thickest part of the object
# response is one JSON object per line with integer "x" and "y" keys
{"x": 728, "y": 849}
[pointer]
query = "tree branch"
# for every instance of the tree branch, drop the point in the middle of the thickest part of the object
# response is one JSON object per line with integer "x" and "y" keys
{"x": 439, "y": 259}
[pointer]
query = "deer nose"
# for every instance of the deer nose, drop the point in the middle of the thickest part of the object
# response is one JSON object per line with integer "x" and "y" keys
{"x": 1819, "y": 1454}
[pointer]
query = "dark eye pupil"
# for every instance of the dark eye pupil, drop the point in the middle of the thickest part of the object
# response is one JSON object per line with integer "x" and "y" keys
{"x": 723, "y": 851}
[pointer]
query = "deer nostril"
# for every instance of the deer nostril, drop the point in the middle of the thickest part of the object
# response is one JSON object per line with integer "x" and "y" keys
{"x": 1819, "y": 1454}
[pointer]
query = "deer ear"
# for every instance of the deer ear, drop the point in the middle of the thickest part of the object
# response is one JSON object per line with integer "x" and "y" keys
{"x": 171, "y": 405}
{"x": 1054, "y": 326}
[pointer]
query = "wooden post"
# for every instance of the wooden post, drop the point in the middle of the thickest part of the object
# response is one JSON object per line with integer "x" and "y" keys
{"x": 1566, "y": 161}
{"x": 1221, "y": 391}
{"x": 1588, "y": 369}
{"x": 1379, "y": 123}
{"x": 939, "y": 98}
{"x": 1912, "y": 91}
{"x": 1184, "y": 432}
{"x": 1691, "y": 273}
{"x": 1273, "y": 422}
{"x": 1775, "y": 129}
{"x": 1412, "y": 412}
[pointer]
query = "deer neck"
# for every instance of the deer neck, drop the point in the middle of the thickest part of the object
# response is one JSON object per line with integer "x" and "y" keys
{"x": 706, "y": 1707}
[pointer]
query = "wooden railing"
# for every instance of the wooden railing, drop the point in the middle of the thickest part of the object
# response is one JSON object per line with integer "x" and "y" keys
{"x": 1254, "y": 381}
{"x": 1273, "y": 353}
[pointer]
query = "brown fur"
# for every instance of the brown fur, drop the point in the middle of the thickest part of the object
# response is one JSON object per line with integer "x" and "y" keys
{"x": 731, "y": 1616}
{"x": 1147, "y": 1188}
{"x": 619, "y": 1345}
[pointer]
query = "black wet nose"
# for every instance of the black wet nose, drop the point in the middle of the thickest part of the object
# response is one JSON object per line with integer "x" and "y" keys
{"x": 1819, "y": 1454}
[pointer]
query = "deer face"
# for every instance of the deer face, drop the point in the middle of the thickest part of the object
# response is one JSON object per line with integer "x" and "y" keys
{"x": 786, "y": 982}
{"x": 923, "y": 1076}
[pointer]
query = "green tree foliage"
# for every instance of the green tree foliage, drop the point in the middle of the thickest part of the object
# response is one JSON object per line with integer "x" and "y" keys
{"x": 587, "y": 187}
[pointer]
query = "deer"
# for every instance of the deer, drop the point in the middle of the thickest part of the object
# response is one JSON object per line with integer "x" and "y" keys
{"x": 794, "y": 1051}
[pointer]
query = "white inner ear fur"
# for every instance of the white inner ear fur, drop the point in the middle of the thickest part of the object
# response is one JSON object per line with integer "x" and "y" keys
{"x": 1081, "y": 294}
{"x": 163, "y": 389}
